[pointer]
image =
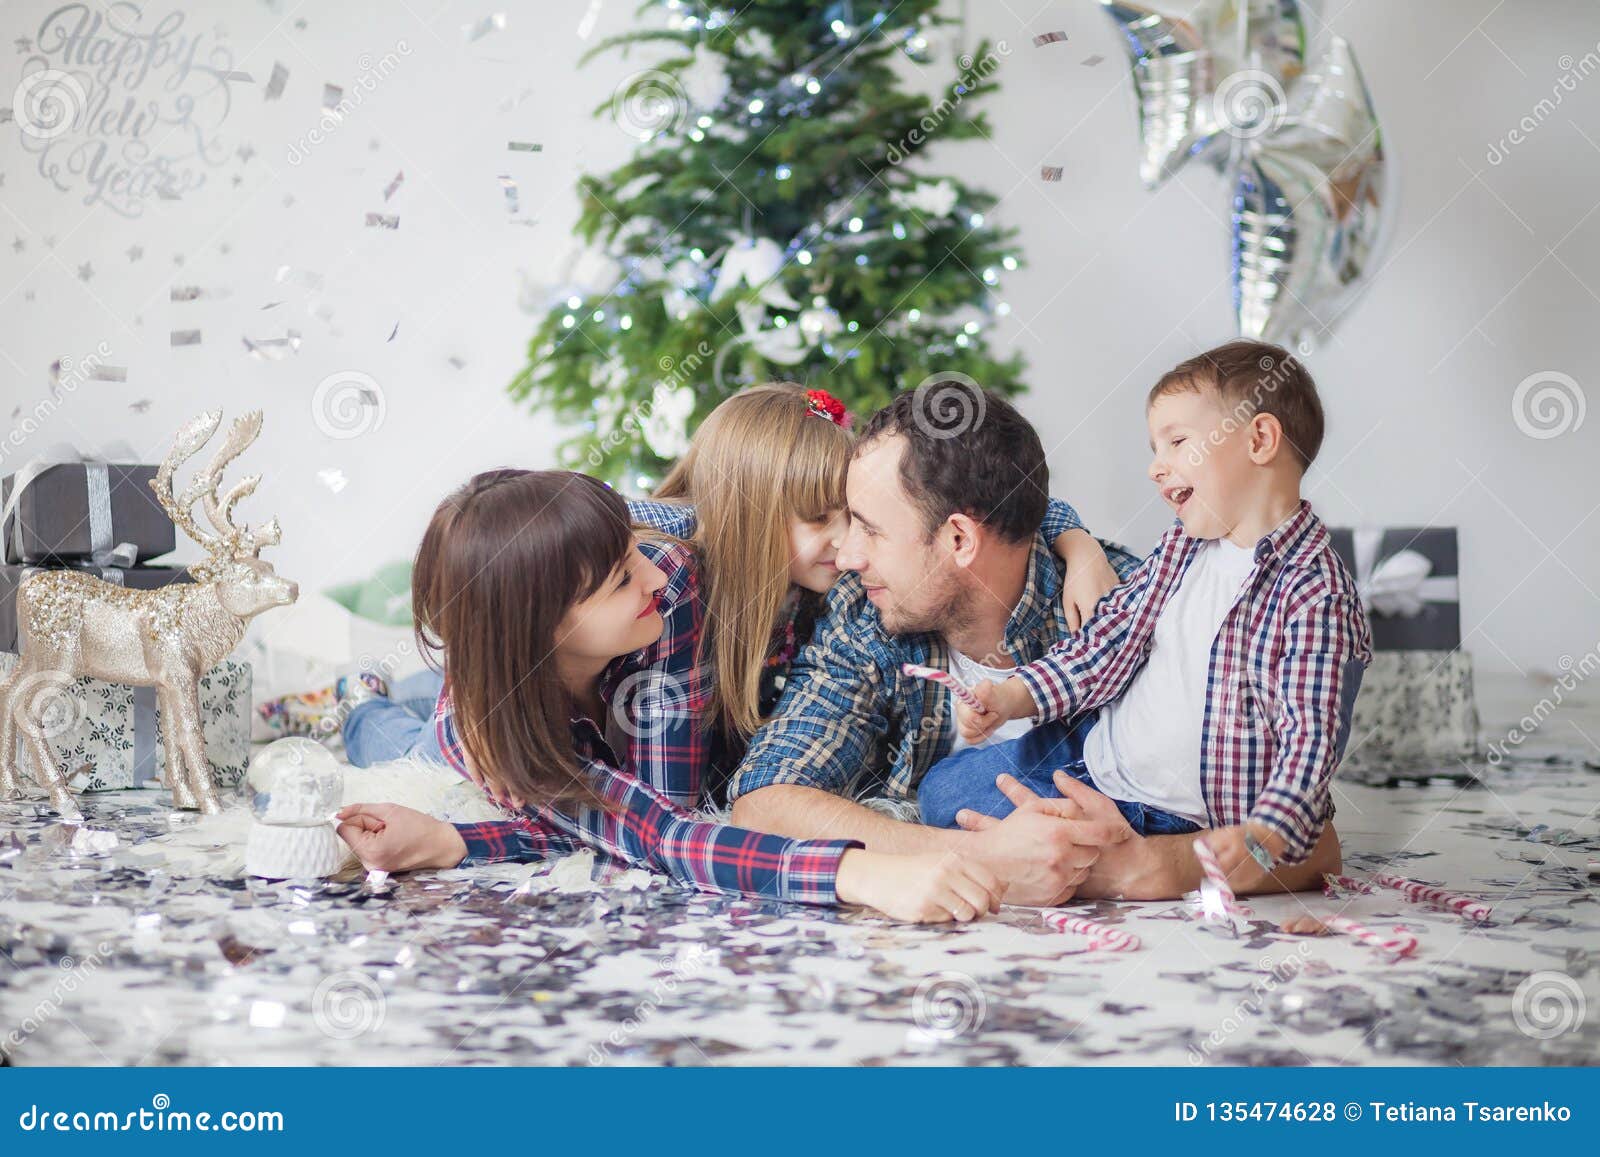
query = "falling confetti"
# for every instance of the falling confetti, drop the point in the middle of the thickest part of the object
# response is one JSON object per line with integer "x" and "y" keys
{"x": 1091, "y": 61}
{"x": 333, "y": 478}
{"x": 135, "y": 252}
{"x": 237, "y": 76}
{"x": 86, "y": 272}
{"x": 182, "y": 337}
{"x": 109, "y": 374}
{"x": 524, "y": 147}
{"x": 457, "y": 362}
{"x": 332, "y": 94}
{"x": 273, "y": 348}
{"x": 1051, "y": 172}
{"x": 394, "y": 331}
{"x": 590, "y": 15}
{"x": 394, "y": 184}
{"x": 383, "y": 220}
{"x": 140, "y": 406}
{"x": 494, "y": 22}
{"x": 510, "y": 187}
{"x": 1048, "y": 38}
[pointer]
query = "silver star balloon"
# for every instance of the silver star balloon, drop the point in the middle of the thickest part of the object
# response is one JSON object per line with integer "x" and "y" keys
{"x": 1204, "y": 72}
{"x": 1227, "y": 81}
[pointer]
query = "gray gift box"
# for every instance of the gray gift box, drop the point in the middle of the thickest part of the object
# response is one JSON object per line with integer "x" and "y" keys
{"x": 84, "y": 511}
{"x": 113, "y": 736}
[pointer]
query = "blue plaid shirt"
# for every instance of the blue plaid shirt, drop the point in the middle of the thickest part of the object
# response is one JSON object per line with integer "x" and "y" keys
{"x": 850, "y": 722}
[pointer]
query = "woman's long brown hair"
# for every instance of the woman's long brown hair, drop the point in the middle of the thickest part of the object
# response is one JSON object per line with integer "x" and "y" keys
{"x": 502, "y": 560}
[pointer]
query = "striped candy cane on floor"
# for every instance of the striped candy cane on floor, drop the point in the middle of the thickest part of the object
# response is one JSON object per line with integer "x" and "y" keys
{"x": 1105, "y": 936}
{"x": 1218, "y": 904}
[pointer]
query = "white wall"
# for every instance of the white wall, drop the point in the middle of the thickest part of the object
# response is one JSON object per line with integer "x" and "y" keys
{"x": 1492, "y": 274}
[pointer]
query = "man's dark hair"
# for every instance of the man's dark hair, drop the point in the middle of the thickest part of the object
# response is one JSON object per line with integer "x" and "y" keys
{"x": 967, "y": 451}
{"x": 1255, "y": 377}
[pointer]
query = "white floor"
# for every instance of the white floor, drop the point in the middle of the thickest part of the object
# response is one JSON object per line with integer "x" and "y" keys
{"x": 120, "y": 955}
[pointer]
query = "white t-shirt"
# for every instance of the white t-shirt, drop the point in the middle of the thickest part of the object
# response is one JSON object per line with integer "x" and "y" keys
{"x": 972, "y": 673}
{"x": 1145, "y": 746}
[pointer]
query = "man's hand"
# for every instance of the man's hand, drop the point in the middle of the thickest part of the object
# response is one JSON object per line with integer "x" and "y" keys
{"x": 927, "y": 888}
{"x": 387, "y": 837}
{"x": 1047, "y": 847}
{"x": 1089, "y": 576}
{"x": 1003, "y": 701}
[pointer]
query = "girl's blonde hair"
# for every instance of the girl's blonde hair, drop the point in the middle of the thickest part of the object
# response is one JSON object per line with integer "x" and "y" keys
{"x": 760, "y": 458}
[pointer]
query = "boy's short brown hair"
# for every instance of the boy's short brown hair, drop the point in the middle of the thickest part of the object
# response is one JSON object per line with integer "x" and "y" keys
{"x": 1254, "y": 377}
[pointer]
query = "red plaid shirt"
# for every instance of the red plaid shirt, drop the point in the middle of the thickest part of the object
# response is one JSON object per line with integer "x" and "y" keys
{"x": 1285, "y": 665}
{"x": 657, "y": 696}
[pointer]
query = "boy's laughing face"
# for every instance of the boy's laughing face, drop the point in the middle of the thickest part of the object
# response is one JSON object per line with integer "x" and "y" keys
{"x": 1201, "y": 460}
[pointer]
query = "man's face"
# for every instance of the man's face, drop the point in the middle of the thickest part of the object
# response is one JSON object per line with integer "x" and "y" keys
{"x": 909, "y": 576}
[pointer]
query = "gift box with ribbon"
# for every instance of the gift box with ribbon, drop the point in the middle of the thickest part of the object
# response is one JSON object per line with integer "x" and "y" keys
{"x": 111, "y": 736}
{"x": 1408, "y": 578}
{"x": 1416, "y": 711}
{"x": 62, "y": 506}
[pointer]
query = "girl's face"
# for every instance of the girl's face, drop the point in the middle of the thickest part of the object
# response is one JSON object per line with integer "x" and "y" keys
{"x": 812, "y": 546}
{"x": 619, "y": 618}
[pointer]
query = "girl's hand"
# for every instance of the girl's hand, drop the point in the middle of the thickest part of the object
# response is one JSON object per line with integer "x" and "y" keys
{"x": 1089, "y": 578}
{"x": 387, "y": 837}
{"x": 928, "y": 888}
{"x": 1002, "y": 702}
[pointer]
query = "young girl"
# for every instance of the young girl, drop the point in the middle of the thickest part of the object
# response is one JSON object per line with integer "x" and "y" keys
{"x": 761, "y": 495}
{"x": 572, "y": 682}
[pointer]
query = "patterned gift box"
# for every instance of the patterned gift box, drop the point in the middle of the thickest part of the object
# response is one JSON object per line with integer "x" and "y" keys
{"x": 113, "y": 737}
{"x": 1416, "y": 709}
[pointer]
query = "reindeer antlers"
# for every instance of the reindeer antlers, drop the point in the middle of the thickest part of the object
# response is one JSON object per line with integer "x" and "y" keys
{"x": 231, "y": 539}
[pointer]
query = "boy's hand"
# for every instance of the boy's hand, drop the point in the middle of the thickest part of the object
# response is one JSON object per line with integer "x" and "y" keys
{"x": 387, "y": 837}
{"x": 1002, "y": 701}
{"x": 927, "y": 888}
{"x": 1089, "y": 577}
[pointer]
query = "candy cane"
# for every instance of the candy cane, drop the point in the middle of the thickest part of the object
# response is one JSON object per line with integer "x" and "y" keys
{"x": 1107, "y": 936}
{"x": 1397, "y": 944}
{"x": 1218, "y": 903}
{"x": 1419, "y": 893}
{"x": 948, "y": 681}
{"x": 1349, "y": 883}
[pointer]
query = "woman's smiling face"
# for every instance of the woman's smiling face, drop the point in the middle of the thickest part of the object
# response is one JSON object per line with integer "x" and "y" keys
{"x": 617, "y": 619}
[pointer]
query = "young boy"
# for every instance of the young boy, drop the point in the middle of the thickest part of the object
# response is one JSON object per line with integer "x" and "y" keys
{"x": 1213, "y": 688}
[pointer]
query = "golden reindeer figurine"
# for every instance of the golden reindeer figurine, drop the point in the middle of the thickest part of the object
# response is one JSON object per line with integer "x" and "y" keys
{"x": 168, "y": 638}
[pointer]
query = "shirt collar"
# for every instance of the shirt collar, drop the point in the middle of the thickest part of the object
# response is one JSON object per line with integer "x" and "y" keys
{"x": 1296, "y": 540}
{"x": 1040, "y": 593}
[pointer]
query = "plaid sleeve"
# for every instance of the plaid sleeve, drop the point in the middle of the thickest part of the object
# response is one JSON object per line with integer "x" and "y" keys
{"x": 1082, "y": 671}
{"x": 831, "y": 721}
{"x": 642, "y": 827}
{"x": 1325, "y": 649}
{"x": 1059, "y": 517}
{"x": 671, "y": 518}
{"x": 662, "y": 703}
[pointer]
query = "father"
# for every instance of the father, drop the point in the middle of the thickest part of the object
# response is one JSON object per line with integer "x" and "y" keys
{"x": 944, "y": 569}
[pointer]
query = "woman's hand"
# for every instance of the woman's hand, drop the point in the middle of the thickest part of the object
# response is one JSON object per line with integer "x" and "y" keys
{"x": 1003, "y": 701}
{"x": 1089, "y": 578}
{"x": 928, "y": 888}
{"x": 387, "y": 837}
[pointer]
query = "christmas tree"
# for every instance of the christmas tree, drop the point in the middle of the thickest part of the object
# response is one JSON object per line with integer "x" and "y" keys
{"x": 780, "y": 220}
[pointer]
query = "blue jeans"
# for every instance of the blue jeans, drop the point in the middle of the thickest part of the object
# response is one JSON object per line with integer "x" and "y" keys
{"x": 966, "y": 779}
{"x": 396, "y": 727}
